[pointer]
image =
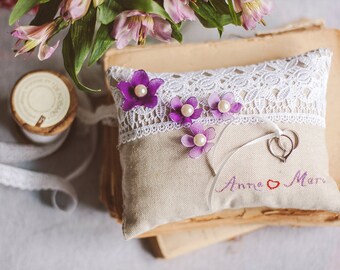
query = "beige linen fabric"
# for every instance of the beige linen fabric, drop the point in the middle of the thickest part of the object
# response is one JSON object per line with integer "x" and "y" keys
{"x": 161, "y": 184}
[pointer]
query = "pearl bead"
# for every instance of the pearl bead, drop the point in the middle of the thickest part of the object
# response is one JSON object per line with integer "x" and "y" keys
{"x": 223, "y": 106}
{"x": 187, "y": 110}
{"x": 141, "y": 90}
{"x": 200, "y": 140}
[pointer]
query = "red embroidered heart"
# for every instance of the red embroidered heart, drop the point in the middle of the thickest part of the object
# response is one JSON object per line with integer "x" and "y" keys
{"x": 272, "y": 184}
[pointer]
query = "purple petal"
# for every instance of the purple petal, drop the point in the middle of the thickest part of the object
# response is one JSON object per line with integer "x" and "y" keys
{"x": 207, "y": 147}
{"x": 229, "y": 97}
{"x": 187, "y": 140}
{"x": 46, "y": 51}
{"x": 187, "y": 120}
{"x": 123, "y": 39}
{"x": 125, "y": 88}
{"x": 128, "y": 104}
{"x": 210, "y": 133}
{"x": 179, "y": 10}
{"x": 175, "y": 117}
{"x": 123, "y": 30}
{"x": 196, "y": 152}
{"x": 176, "y": 103}
{"x": 237, "y": 6}
{"x": 20, "y": 33}
{"x": 197, "y": 128}
{"x": 150, "y": 102}
{"x": 216, "y": 114}
{"x": 249, "y": 23}
{"x": 153, "y": 86}
{"x": 192, "y": 101}
{"x": 140, "y": 77}
{"x": 161, "y": 29}
{"x": 74, "y": 9}
{"x": 227, "y": 116}
{"x": 197, "y": 113}
{"x": 235, "y": 107}
{"x": 213, "y": 100}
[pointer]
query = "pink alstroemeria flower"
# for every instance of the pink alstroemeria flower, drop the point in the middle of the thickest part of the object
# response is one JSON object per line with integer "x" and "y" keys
{"x": 135, "y": 25}
{"x": 179, "y": 10}
{"x": 34, "y": 36}
{"x": 253, "y": 11}
{"x": 74, "y": 9}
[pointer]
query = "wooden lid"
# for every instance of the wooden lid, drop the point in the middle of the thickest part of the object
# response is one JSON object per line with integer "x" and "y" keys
{"x": 44, "y": 102}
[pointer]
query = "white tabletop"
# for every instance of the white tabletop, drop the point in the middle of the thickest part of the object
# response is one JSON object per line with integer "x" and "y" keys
{"x": 35, "y": 236}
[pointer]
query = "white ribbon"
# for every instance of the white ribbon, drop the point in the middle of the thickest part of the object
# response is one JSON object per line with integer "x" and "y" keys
{"x": 64, "y": 196}
{"x": 275, "y": 134}
{"x": 13, "y": 152}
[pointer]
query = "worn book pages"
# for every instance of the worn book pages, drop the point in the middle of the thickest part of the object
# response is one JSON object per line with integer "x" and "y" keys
{"x": 176, "y": 244}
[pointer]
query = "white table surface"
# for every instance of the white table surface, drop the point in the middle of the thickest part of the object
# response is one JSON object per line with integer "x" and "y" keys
{"x": 35, "y": 236}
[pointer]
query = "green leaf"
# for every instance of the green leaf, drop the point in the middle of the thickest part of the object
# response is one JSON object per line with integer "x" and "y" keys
{"x": 220, "y": 6}
{"x": 69, "y": 63}
{"x": 46, "y": 13}
{"x": 97, "y": 3}
{"x": 176, "y": 33}
{"x": 102, "y": 43}
{"x": 82, "y": 32}
{"x": 209, "y": 16}
{"x": 77, "y": 45}
{"x": 22, "y": 7}
{"x": 236, "y": 17}
{"x": 108, "y": 11}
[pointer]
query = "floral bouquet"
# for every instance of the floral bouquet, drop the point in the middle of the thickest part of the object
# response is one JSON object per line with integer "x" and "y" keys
{"x": 95, "y": 25}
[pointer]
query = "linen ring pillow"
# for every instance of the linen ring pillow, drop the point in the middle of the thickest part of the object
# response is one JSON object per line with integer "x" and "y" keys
{"x": 199, "y": 142}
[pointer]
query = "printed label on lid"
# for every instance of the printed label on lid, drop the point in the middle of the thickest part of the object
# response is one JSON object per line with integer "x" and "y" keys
{"x": 41, "y": 99}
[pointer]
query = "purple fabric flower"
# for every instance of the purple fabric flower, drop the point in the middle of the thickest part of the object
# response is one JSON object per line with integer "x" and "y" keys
{"x": 225, "y": 107}
{"x": 199, "y": 141}
{"x": 184, "y": 113}
{"x": 140, "y": 91}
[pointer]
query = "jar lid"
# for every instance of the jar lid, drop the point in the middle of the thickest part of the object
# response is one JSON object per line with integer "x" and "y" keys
{"x": 44, "y": 102}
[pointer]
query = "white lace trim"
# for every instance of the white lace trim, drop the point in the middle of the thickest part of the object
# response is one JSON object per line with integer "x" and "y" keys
{"x": 291, "y": 90}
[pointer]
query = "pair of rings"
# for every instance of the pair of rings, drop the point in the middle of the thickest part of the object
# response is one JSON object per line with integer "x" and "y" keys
{"x": 286, "y": 145}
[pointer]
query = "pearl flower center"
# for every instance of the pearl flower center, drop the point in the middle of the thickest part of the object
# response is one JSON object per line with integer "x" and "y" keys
{"x": 141, "y": 90}
{"x": 187, "y": 110}
{"x": 223, "y": 106}
{"x": 200, "y": 140}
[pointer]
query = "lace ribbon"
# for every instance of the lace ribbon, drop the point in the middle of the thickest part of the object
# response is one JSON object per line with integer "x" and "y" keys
{"x": 290, "y": 90}
{"x": 64, "y": 196}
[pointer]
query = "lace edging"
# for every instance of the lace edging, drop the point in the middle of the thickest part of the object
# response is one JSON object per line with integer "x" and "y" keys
{"x": 290, "y": 90}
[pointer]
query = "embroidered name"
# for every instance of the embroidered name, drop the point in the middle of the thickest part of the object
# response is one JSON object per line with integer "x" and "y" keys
{"x": 301, "y": 179}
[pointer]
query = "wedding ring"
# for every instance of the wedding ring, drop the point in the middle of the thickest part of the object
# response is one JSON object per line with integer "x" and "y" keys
{"x": 296, "y": 141}
{"x": 286, "y": 152}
